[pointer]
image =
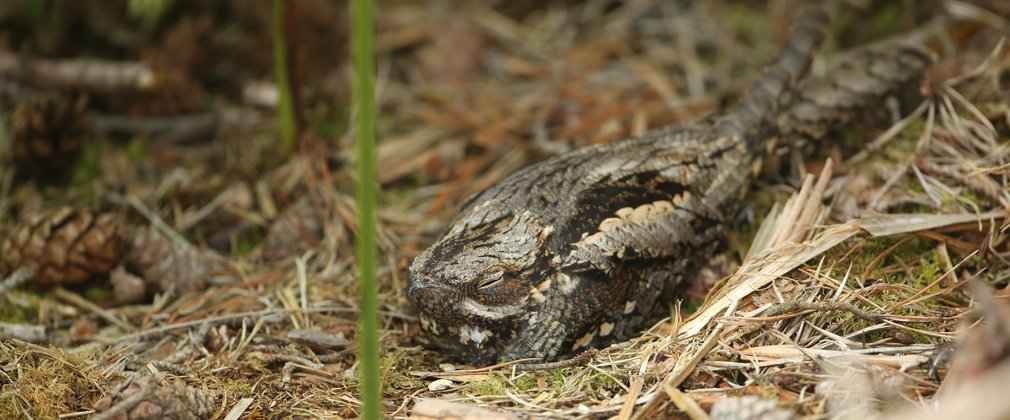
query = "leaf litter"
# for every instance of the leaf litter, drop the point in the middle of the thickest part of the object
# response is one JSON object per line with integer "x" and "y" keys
{"x": 856, "y": 296}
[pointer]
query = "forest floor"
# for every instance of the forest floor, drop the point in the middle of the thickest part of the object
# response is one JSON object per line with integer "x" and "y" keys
{"x": 181, "y": 257}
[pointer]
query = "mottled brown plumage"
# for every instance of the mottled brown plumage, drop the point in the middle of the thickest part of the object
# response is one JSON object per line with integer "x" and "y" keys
{"x": 588, "y": 247}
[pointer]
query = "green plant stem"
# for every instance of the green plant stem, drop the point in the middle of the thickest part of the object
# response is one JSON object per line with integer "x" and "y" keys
{"x": 363, "y": 57}
{"x": 285, "y": 109}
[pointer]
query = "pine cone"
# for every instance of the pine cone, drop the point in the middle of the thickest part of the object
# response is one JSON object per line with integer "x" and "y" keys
{"x": 152, "y": 398}
{"x": 46, "y": 136}
{"x": 164, "y": 263}
{"x": 65, "y": 246}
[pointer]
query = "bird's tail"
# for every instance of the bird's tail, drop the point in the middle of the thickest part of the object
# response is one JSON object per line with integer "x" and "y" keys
{"x": 865, "y": 78}
{"x": 761, "y": 104}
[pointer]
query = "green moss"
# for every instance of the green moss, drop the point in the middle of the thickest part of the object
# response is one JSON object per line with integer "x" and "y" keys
{"x": 135, "y": 151}
{"x": 958, "y": 202}
{"x": 917, "y": 338}
{"x": 88, "y": 166}
{"x": 239, "y": 387}
{"x": 393, "y": 369}
{"x": 554, "y": 378}
{"x": 493, "y": 385}
{"x": 329, "y": 120}
{"x": 915, "y": 264}
{"x": 399, "y": 194}
{"x": 869, "y": 249}
{"x": 246, "y": 240}
{"x": 861, "y": 25}
{"x": 19, "y": 313}
{"x": 557, "y": 377}
{"x": 526, "y": 382}
{"x": 754, "y": 31}
{"x": 256, "y": 364}
{"x": 886, "y": 19}
{"x": 852, "y": 139}
{"x": 601, "y": 385}
{"x": 691, "y": 306}
{"x": 931, "y": 266}
{"x": 98, "y": 293}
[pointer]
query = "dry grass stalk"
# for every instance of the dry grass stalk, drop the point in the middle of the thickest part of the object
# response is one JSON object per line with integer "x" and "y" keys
{"x": 781, "y": 245}
{"x": 549, "y": 88}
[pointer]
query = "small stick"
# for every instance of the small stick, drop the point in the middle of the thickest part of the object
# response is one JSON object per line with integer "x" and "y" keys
{"x": 583, "y": 358}
{"x": 85, "y": 74}
{"x": 23, "y": 332}
{"x": 254, "y": 314}
{"x": 276, "y": 357}
{"x": 787, "y": 307}
{"x": 127, "y": 403}
{"x": 137, "y": 363}
{"x": 975, "y": 183}
{"x": 83, "y": 303}
{"x": 22, "y": 275}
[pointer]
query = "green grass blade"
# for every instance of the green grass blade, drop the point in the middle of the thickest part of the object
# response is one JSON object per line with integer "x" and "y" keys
{"x": 363, "y": 57}
{"x": 286, "y": 107}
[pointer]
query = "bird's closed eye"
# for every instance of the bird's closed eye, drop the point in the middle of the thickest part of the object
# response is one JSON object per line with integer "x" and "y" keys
{"x": 490, "y": 281}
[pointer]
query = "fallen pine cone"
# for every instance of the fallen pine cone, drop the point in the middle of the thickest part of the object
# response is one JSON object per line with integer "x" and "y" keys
{"x": 47, "y": 133}
{"x": 165, "y": 264}
{"x": 64, "y": 247}
{"x": 151, "y": 398}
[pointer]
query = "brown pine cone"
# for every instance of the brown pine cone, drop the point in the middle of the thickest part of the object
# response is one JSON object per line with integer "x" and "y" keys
{"x": 46, "y": 136}
{"x": 64, "y": 246}
{"x": 152, "y": 398}
{"x": 165, "y": 264}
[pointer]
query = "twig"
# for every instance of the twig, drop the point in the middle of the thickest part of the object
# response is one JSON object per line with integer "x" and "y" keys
{"x": 823, "y": 306}
{"x": 159, "y": 224}
{"x": 975, "y": 183}
{"x": 127, "y": 403}
{"x": 83, "y": 303}
{"x": 268, "y": 358}
{"x": 888, "y": 184}
{"x": 251, "y": 314}
{"x": 17, "y": 278}
{"x": 76, "y": 414}
{"x": 86, "y": 74}
{"x": 317, "y": 339}
{"x": 175, "y": 129}
{"x": 581, "y": 359}
{"x": 23, "y": 332}
{"x": 138, "y": 363}
{"x": 194, "y": 344}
